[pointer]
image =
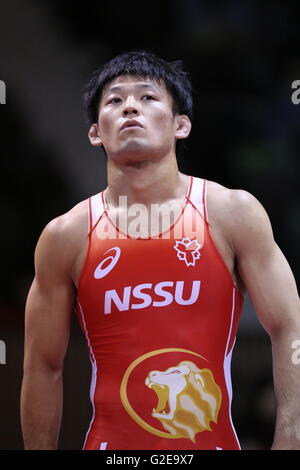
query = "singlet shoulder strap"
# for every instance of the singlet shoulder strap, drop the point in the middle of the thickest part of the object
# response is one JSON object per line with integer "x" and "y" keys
{"x": 96, "y": 209}
{"x": 197, "y": 195}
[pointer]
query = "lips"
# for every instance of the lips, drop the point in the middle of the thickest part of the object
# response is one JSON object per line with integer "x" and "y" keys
{"x": 130, "y": 123}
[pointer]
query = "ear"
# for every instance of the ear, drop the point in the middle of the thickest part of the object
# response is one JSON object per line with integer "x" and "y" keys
{"x": 184, "y": 126}
{"x": 94, "y": 136}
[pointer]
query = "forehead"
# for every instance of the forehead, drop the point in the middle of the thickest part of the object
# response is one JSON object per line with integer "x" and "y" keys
{"x": 126, "y": 82}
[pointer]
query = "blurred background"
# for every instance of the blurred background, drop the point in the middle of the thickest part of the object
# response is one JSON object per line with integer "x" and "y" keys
{"x": 243, "y": 57}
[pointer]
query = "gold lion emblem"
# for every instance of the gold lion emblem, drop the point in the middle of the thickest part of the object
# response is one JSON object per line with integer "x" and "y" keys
{"x": 188, "y": 399}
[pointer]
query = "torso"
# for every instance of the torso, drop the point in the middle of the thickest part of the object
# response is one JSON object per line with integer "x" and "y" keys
{"x": 218, "y": 206}
{"x": 129, "y": 293}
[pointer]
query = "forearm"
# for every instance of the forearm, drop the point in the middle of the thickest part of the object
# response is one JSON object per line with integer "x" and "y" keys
{"x": 41, "y": 407}
{"x": 286, "y": 374}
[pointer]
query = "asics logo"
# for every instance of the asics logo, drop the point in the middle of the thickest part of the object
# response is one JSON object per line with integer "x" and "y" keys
{"x": 101, "y": 272}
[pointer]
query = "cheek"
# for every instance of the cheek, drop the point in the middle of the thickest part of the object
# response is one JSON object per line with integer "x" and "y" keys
{"x": 105, "y": 130}
{"x": 163, "y": 121}
{"x": 164, "y": 128}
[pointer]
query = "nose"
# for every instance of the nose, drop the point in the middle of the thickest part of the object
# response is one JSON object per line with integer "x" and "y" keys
{"x": 130, "y": 107}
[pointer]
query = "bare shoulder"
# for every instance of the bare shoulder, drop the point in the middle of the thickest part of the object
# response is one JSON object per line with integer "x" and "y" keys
{"x": 236, "y": 202}
{"x": 62, "y": 238}
{"x": 68, "y": 226}
{"x": 229, "y": 195}
{"x": 238, "y": 212}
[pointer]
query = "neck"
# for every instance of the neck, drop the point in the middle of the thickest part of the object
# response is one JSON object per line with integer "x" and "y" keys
{"x": 145, "y": 182}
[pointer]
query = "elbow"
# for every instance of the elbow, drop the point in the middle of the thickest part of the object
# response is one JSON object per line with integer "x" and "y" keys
{"x": 35, "y": 363}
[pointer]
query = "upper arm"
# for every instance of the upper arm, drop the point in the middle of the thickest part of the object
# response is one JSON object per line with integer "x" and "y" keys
{"x": 263, "y": 267}
{"x": 50, "y": 300}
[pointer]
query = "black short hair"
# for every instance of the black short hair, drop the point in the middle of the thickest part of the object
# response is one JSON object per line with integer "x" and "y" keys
{"x": 145, "y": 65}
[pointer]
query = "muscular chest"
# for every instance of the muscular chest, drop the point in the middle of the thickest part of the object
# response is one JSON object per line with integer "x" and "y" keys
{"x": 219, "y": 240}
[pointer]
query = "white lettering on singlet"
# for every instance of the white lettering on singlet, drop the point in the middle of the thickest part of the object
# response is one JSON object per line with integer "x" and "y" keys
{"x": 125, "y": 301}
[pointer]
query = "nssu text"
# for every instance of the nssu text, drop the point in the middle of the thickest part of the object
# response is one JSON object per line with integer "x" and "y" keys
{"x": 176, "y": 293}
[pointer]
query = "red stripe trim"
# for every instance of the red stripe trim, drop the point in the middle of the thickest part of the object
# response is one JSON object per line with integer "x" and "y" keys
{"x": 103, "y": 201}
{"x": 85, "y": 264}
{"x": 90, "y": 215}
{"x": 204, "y": 200}
{"x": 93, "y": 225}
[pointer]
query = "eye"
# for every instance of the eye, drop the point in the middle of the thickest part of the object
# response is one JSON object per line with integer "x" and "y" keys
{"x": 148, "y": 97}
{"x": 114, "y": 100}
{"x": 175, "y": 372}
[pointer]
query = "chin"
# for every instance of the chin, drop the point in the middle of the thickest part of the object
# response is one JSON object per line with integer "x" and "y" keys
{"x": 134, "y": 151}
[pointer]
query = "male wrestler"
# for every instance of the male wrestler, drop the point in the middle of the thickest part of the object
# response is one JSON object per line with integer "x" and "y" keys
{"x": 159, "y": 302}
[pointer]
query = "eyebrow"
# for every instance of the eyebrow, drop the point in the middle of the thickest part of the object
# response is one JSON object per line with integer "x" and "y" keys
{"x": 119, "y": 87}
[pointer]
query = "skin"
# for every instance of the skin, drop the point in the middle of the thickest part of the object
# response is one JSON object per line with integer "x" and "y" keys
{"x": 142, "y": 164}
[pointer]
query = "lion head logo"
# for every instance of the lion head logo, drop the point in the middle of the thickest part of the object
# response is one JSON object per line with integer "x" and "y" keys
{"x": 188, "y": 399}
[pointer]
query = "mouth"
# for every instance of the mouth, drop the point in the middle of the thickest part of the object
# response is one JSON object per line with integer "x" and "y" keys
{"x": 131, "y": 125}
{"x": 162, "y": 393}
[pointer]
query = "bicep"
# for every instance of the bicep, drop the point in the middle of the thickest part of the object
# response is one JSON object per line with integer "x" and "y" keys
{"x": 272, "y": 289}
{"x": 264, "y": 270}
{"x": 49, "y": 305}
{"x": 47, "y": 323}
